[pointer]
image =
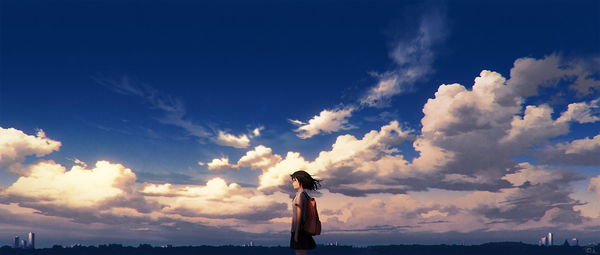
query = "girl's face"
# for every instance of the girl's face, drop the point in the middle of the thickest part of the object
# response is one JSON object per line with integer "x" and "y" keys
{"x": 295, "y": 183}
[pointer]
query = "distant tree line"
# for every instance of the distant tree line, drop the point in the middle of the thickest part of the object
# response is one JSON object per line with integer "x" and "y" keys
{"x": 500, "y": 248}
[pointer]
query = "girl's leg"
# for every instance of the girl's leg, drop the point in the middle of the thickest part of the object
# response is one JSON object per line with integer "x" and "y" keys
{"x": 301, "y": 252}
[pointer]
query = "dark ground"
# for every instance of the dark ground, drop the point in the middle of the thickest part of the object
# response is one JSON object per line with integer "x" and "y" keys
{"x": 503, "y": 248}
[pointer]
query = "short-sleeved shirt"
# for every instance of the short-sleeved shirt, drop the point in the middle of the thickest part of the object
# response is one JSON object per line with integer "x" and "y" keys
{"x": 301, "y": 200}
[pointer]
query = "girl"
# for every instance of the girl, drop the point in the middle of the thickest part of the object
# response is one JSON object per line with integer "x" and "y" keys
{"x": 301, "y": 241}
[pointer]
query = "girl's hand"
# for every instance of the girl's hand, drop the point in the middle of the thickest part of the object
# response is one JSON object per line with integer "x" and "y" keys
{"x": 296, "y": 236}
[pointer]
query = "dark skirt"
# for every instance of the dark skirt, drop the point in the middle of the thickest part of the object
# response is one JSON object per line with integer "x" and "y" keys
{"x": 305, "y": 241}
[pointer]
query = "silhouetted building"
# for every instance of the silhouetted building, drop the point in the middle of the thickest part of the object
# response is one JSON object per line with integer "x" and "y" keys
{"x": 547, "y": 240}
{"x": 574, "y": 242}
{"x": 16, "y": 242}
{"x": 544, "y": 241}
{"x": 31, "y": 240}
{"x": 24, "y": 244}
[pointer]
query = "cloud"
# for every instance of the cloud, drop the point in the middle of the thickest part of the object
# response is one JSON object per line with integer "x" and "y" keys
{"x": 533, "y": 175}
{"x": 528, "y": 74}
{"x": 260, "y": 158}
{"x": 216, "y": 188}
{"x": 327, "y": 122}
{"x": 174, "y": 112}
{"x": 536, "y": 125}
{"x": 468, "y": 140}
{"x": 577, "y": 152}
{"x": 477, "y": 131}
{"x": 460, "y": 134}
{"x": 595, "y": 186}
{"x": 380, "y": 94}
{"x": 16, "y": 145}
{"x": 256, "y": 131}
{"x": 413, "y": 55}
{"x": 273, "y": 178}
{"x": 217, "y": 200}
{"x": 368, "y": 162}
{"x": 83, "y": 195}
{"x": 400, "y": 213}
{"x": 257, "y": 208}
{"x": 540, "y": 200}
{"x": 230, "y": 140}
{"x": 456, "y": 110}
{"x": 582, "y": 112}
{"x": 540, "y": 190}
{"x": 104, "y": 194}
{"x": 222, "y": 164}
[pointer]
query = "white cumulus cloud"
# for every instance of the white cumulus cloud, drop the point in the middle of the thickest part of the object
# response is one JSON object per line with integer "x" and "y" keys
{"x": 216, "y": 200}
{"x": 15, "y": 145}
{"x": 80, "y": 194}
{"x": 225, "y": 139}
{"x": 222, "y": 164}
{"x": 327, "y": 122}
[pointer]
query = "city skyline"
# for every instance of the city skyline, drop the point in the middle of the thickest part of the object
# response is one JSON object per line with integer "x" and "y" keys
{"x": 25, "y": 244}
{"x": 180, "y": 122}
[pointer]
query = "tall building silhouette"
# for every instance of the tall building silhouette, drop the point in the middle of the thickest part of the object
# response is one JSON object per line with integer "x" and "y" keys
{"x": 574, "y": 242}
{"x": 31, "y": 240}
{"x": 550, "y": 241}
{"x": 544, "y": 241}
{"x": 24, "y": 244}
{"x": 16, "y": 242}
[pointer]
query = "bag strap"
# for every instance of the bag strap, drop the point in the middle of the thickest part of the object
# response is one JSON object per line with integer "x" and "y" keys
{"x": 307, "y": 196}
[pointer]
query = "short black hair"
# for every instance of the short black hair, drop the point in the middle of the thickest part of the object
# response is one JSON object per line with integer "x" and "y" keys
{"x": 307, "y": 181}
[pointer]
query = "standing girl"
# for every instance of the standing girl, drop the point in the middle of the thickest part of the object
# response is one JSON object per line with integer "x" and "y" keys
{"x": 301, "y": 241}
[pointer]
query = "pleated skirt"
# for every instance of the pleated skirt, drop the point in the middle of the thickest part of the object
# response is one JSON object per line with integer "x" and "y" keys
{"x": 305, "y": 241}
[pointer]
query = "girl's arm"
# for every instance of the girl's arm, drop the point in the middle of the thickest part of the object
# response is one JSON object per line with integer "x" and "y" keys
{"x": 299, "y": 220}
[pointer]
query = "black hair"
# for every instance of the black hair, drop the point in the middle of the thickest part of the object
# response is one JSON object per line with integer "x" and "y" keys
{"x": 307, "y": 181}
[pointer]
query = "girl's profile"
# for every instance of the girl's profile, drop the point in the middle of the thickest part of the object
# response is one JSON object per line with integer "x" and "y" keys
{"x": 300, "y": 241}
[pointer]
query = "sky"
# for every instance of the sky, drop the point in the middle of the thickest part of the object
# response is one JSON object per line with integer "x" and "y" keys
{"x": 180, "y": 122}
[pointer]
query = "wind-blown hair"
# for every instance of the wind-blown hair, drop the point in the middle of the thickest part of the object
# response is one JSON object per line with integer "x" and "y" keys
{"x": 307, "y": 181}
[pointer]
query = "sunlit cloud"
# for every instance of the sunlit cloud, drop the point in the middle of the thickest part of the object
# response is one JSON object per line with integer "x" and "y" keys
{"x": 16, "y": 145}
{"x": 216, "y": 188}
{"x": 260, "y": 158}
{"x": 327, "y": 122}
{"x": 225, "y": 139}
{"x": 216, "y": 200}
{"x": 222, "y": 164}
{"x": 80, "y": 194}
{"x": 256, "y": 132}
{"x": 466, "y": 143}
{"x": 351, "y": 161}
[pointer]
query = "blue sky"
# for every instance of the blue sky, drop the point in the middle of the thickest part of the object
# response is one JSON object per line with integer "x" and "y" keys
{"x": 199, "y": 110}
